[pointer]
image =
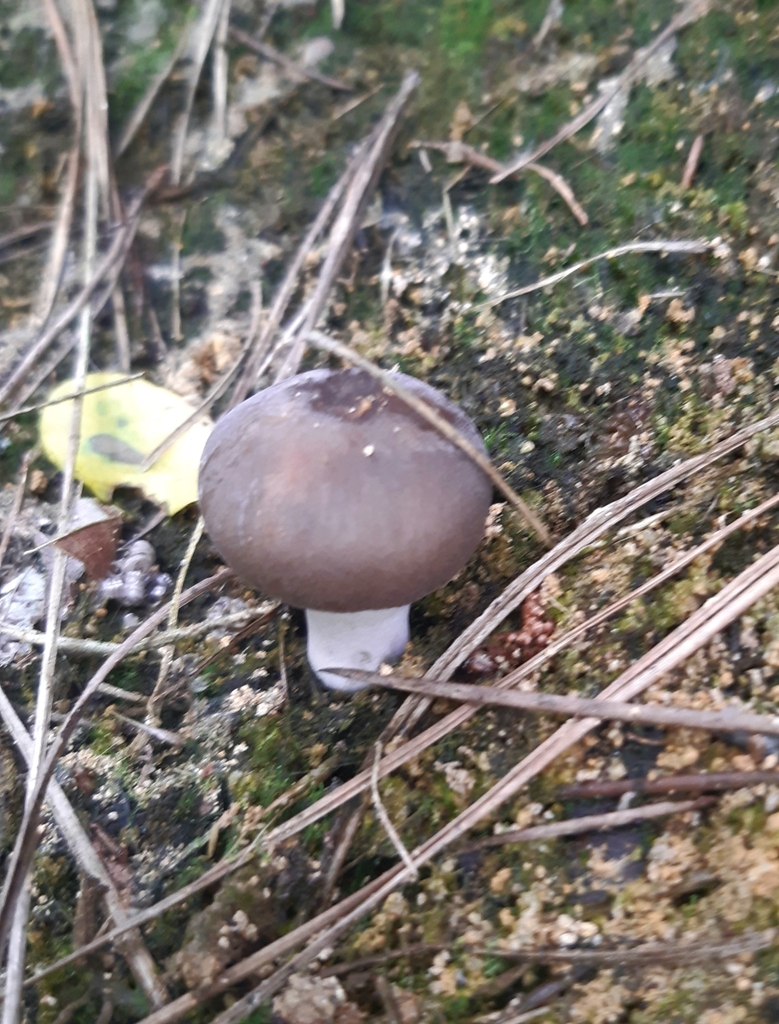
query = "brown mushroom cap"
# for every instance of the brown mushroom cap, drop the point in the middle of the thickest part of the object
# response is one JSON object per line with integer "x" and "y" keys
{"x": 328, "y": 492}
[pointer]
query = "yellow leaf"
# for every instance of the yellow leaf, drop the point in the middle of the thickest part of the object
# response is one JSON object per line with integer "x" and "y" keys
{"x": 119, "y": 428}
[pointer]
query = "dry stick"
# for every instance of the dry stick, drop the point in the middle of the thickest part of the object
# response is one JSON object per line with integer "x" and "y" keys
{"x": 121, "y": 332}
{"x": 563, "y": 189}
{"x": 691, "y": 164}
{"x": 180, "y": 219}
{"x": 219, "y": 72}
{"x": 155, "y": 701}
{"x": 350, "y": 215}
{"x": 138, "y": 116}
{"x": 35, "y": 379}
{"x": 659, "y": 245}
{"x": 589, "y": 823}
{"x": 115, "y": 254}
{"x": 28, "y": 231}
{"x": 647, "y": 953}
{"x": 16, "y": 508}
{"x": 731, "y": 720}
{"x": 701, "y": 782}
{"x": 596, "y": 524}
{"x": 260, "y": 347}
{"x": 384, "y": 818}
{"x": 217, "y": 390}
{"x": 436, "y": 420}
{"x": 203, "y": 34}
{"x": 735, "y": 598}
{"x": 51, "y": 278}
{"x": 295, "y": 71}
{"x": 690, "y": 13}
{"x": 69, "y": 825}
{"x": 26, "y": 840}
{"x": 52, "y": 275}
{"x": 459, "y": 152}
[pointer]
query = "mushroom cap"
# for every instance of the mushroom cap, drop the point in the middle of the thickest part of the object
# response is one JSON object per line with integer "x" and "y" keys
{"x": 328, "y": 492}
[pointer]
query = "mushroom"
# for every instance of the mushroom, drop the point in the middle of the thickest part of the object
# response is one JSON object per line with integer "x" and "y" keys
{"x": 330, "y": 493}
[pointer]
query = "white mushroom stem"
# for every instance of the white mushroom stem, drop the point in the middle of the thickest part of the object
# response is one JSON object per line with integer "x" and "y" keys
{"x": 354, "y": 640}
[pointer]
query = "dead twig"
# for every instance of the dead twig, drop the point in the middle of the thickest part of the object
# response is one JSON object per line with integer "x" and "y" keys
{"x": 384, "y": 818}
{"x": 67, "y": 398}
{"x": 701, "y": 782}
{"x": 442, "y": 425}
{"x": 10, "y": 522}
{"x": 295, "y": 71}
{"x": 589, "y": 823}
{"x": 258, "y": 352}
{"x": 691, "y": 12}
{"x": 660, "y": 245}
{"x": 648, "y": 953}
{"x": 459, "y": 152}
{"x": 154, "y": 706}
{"x": 731, "y": 720}
{"x": 202, "y": 36}
{"x": 138, "y": 115}
{"x": 691, "y": 164}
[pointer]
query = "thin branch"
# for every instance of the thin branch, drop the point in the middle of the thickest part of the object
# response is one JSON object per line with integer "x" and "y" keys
{"x": 731, "y": 720}
{"x": 77, "y": 645}
{"x": 436, "y": 420}
{"x": 138, "y": 116}
{"x": 691, "y": 164}
{"x": 588, "y": 823}
{"x": 154, "y": 706}
{"x": 664, "y": 246}
{"x": 690, "y": 13}
{"x": 459, "y": 152}
{"x": 68, "y": 398}
{"x": 16, "y": 507}
{"x": 384, "y": 818}
{"x": 648, "y": 953}
{"x": 295, "y": 71}
{"x": 701, "y": 782}
{"x": 202, "y": 36}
